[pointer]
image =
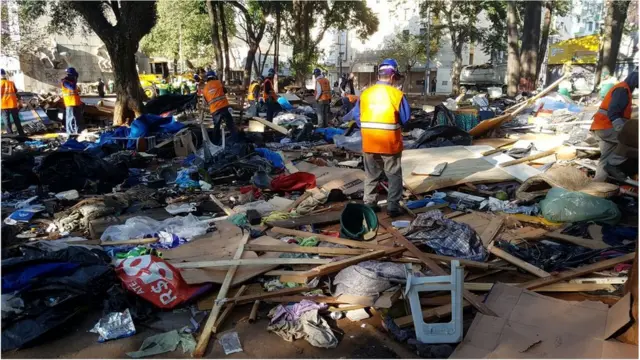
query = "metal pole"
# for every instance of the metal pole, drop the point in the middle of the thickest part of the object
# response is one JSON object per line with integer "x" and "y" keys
{"x": 427, "y": 71}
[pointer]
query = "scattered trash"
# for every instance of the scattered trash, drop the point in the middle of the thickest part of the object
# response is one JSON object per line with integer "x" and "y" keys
{"x": 114, "y": 325}
{"x": 230, "y": 343}
{"x": 163, "y": 343}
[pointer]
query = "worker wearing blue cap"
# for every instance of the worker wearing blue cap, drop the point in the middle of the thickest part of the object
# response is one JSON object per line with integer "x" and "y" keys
{"x": 380, "y": 112}
{"x": 72, "y": 103}
{"x": 9, "y": 106}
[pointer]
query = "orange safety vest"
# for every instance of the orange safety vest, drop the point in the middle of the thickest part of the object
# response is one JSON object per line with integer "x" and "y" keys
{"x": 326, "y": 89}
{"x": 214, "y": 95}
{"x": 601, "y": 120}
{"x": 380, "y": 120}
{"x": 272, "y": 93}
{"x": 70, "y": 97}
{"x": 352, "y": 98}
{"x": 9, "y": 98}
{"x": 252, "y": 88}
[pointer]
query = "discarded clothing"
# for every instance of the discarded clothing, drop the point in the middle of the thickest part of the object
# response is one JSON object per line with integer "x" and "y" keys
{"x": 299, "y": 181}
{"x": 309, "y": 326}
{"x": 293, "y": 312}
{"x": 508, "y": 207}
{"x": 163, "y": 343}
{"x": 136, "y": 227}
{"x": 368, "y": 278}
{"x": 274, "y": 158}
{"x": 446, "y": 236}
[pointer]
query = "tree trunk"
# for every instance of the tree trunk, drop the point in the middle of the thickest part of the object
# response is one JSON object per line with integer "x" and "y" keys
{"x": 225, "y": 43}
{"x": 513, "y": 59}
{"x": 175, "y": 65}
{"x": 251, "y": 56}
{"x": 542, "y": 52}
{"x": 612, "y": 37}
{"x": 530, "y": 45}
{"x": 215, "y": 35}
{"x": 457, "y": 68}
{"x": 129, "y": 94}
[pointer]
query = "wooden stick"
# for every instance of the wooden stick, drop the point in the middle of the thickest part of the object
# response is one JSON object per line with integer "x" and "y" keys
{"x": 437, "y": 270}
{"x": 574, "y": 273}
{"x": 531, "y": 157}
{"x": 499, "y": 148}
{"x": 557, "y": 287}
{"x": 203, "y": 341}
{"x": 254, "y": 312}
{"x": 465, "y": 262}
{"x": 590, "y": 244}
{"x": 491, "y": 230}
{"x": 322, "y": 250}
{"x": 538, "y": 96}
{"x": 222, "y": 206}
{"x": 227, "y": 310}
{"x": 298, "y": 298}
{"x": 331, "y": 239}
{"x": 339, "y": 265}
{"x": 517, "y": 262}
{"x": 247, "y": 299}
{"x": 247, "y": 262}
{"x": 273, "y": 126}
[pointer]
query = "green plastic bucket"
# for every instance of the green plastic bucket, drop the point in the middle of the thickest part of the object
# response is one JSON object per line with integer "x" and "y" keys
{"x": 358, "y": 222}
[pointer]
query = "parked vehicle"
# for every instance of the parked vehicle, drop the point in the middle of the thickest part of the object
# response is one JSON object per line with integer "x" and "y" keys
{"x": 478, "y": 77}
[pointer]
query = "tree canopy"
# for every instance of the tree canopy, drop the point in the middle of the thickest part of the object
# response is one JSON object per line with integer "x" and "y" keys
{"x": 301, "y": 17}
{"x": 409, "y": 49}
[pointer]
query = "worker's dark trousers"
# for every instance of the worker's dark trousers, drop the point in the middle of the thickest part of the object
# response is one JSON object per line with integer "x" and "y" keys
{"x": 7, "y": 115}
{"x": 218, "y": 116}
{"x": 323, "y": 112}
{"x": 272, "y": 110}
{"x": 376, "y": 165}
{"x": 346, "y": 105}
{"x": 74, "y": 119}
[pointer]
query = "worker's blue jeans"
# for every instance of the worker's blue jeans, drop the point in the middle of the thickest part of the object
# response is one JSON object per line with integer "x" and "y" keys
{"x": 7, "y": 115}
{"x": 218, "y": 116}
{"x": 74, "y": 119}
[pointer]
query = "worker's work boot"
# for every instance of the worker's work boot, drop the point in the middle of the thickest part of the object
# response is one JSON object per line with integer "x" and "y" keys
{"x": 395, "y": 212}
{"x": 374, "y": 206}
{"x": 615, "y": 172}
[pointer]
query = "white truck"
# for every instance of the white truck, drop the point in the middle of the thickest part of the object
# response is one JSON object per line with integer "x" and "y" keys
{"x": 478, "y": 77}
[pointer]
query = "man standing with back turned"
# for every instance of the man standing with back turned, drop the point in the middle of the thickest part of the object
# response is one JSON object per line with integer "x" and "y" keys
{"x": 323, "y": 98}
{"x": 71, "y": 97}
{"x": 214, "y": 95}
{"x": 381, "y": 111}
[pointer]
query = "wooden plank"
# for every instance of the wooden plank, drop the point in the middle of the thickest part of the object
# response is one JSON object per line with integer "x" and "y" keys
{"x": 437, "y": 270}
{"x": 430, "y": 314}
{"x": 326, "y": 218}
{"x": 489, "y": 124}
{"x": 517, "y": 262}
{"x": 331, "y": 239}
{"x": 531, "y": 157}
{"x": 227, "y": 310}
{"x": 557, "y": 287}
{"x": 454, "y": 214}
{"x": 588, "y": 243}
{"x": 247, "y": 262}
{"x": 271, "y": 125}
{"x": 246, "y": 299}
{"x": 203, "y": 340}
{"x": 574, "y": 273}
{"x": 465, "y": 262}
{"x": 499, "y": 148}
{"x": 298, "y": 298}
{"x": 292, "y": 169}
{"x": 254, "y": 311}
{"x": 222, "y": 206}
{"x": 492, "y": 230}
{"x": 339, "y": 265}
{"x": 322, "y": 250}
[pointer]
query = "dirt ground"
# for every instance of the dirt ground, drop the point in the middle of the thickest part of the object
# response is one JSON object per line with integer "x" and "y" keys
{"x": 355, "y": 341}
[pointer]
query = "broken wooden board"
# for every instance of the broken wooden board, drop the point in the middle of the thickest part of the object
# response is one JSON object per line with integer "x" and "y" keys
{"x": 271, "y": 125}
{"x": 220, "y": 245}
{"x": 464, "y": 166}
{"x": 489, "y": 124}
{"x": 329, "y": 178}
{"x": 326, "y": 218}
{"x": 588, "y": 243}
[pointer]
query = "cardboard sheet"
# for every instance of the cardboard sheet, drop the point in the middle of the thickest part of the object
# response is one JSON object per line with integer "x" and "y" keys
{"x": 531, "y": 325}
{"x": 328, "y": 178}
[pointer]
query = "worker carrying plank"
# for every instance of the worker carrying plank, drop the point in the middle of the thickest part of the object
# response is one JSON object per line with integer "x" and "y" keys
{"x": 74, "y": 122}
{"x": 214, "y": 95}
{"x": 323, "y": 98}
{"x": 614, "y": 112}
{"x": 380, "y": 112}
{"x": 9, "y": 104}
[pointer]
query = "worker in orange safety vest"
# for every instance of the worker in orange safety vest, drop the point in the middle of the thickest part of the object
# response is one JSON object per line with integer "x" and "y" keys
{"x": 380, "y": 112}
{"x": 72, "y": 103}
{"x": 323, "y": 98}
{"x": 614, "y": 112}
{"x": 9, "y": 106}
{"x": 214, "y": 95}
{"x": 269, "y": 96}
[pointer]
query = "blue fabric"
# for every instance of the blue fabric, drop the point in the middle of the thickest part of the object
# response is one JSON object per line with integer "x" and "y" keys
{"x": 68, "y": 84}
{"x": 405, "y": 109}
{"x": 417, "y": 204}
{"x": 22, "y": 277}
{"x": 329, "y": 133}
{"x": 619, "y": 101}
{"x": 73, "y": 144}
{"x": 614, "y": 235}
{"x": 284, "y": 103}
{"x": 274, "y": 158}
{"x": 147, "y": 124}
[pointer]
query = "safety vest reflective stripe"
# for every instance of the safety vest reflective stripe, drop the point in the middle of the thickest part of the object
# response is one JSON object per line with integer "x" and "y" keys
{"x": 216, "y": 98}
{"x": 379, "y": 126}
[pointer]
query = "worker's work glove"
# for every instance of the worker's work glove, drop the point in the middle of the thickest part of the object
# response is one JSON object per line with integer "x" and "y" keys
{"x": 618, "y": 124}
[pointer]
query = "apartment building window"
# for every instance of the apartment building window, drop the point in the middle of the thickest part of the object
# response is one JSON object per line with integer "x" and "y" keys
{"x": 405, "y": 32}
{"x": 423, "y": 31}
{"x": 589, "y": 26}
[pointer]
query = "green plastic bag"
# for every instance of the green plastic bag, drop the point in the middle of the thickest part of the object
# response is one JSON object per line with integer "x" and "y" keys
{"x": 358, "y": 222}
{"x": 561, "y": 205}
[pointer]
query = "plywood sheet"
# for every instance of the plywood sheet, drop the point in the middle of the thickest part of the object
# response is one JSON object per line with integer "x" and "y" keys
{"x": 329, "y": 178}
{"x": 220, "y": 245}
{"x": 465, "y": 165}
